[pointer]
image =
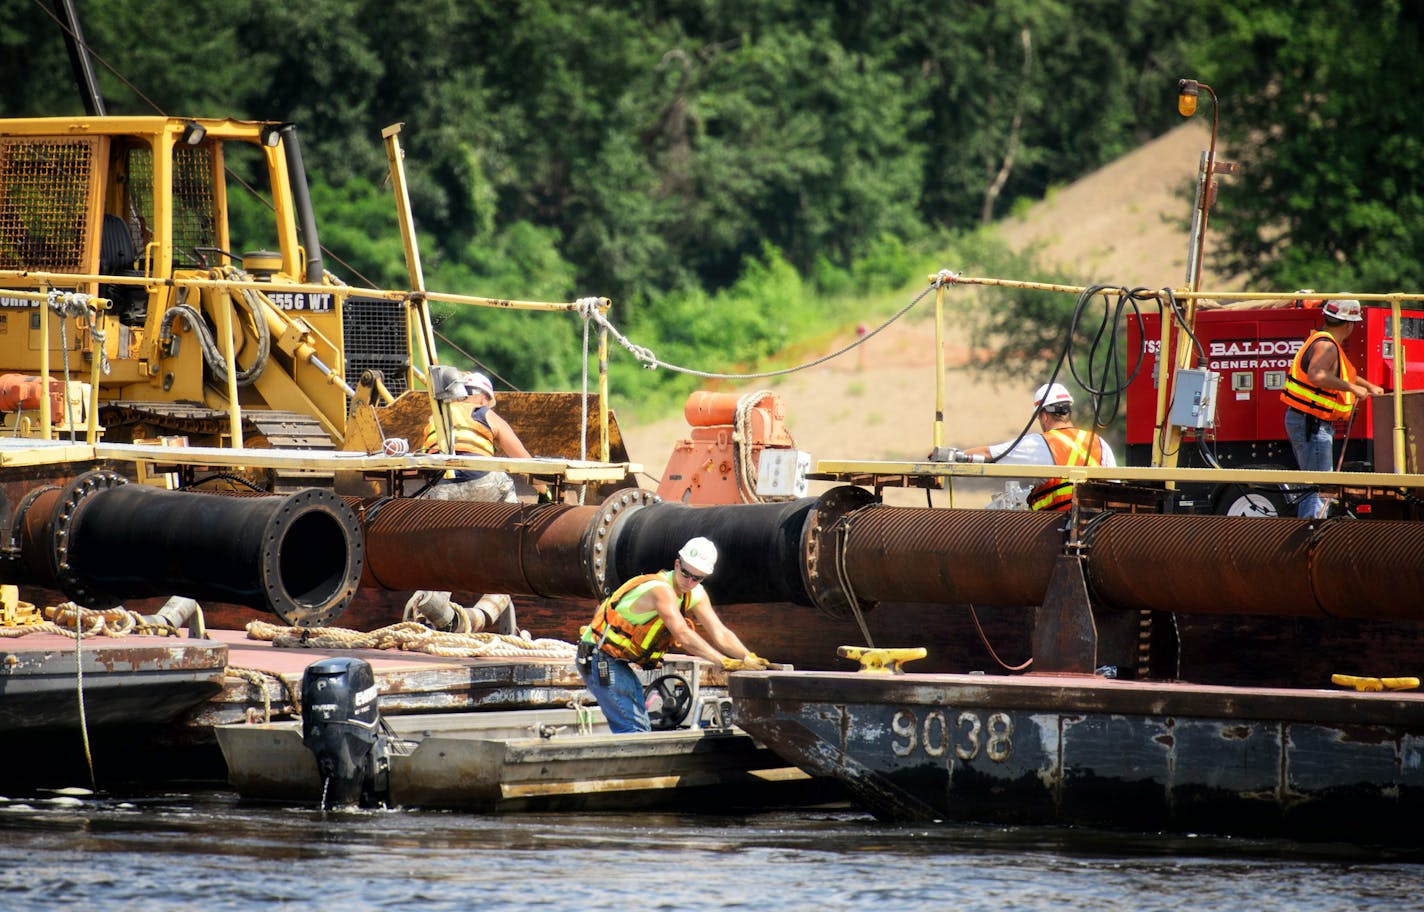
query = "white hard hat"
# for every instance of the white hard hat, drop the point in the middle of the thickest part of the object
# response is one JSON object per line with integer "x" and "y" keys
{"x": 699, "y": 555}
{"x": 1347, "y": 309}
{"x": 477, "y": 382}
{"x": 1054, "y": 394}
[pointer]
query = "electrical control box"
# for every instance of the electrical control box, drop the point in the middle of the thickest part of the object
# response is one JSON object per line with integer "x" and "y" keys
{"x": 1194, "y": 399}
{"x": 782, "y": 473}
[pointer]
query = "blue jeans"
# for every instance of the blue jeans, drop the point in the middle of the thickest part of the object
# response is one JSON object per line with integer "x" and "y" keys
{"x": 1314, "y": 453}
{"x": 622, "y": 701}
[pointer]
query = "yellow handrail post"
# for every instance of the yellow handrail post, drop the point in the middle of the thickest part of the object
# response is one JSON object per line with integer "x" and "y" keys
{"x": 938, "y": 434}
{"x": 603, "y": 445}
{"x": 46, "y": 428}
{"x": 1163, "y": 374}
{"x": 420, "y": 306}
{"x": 1401, "y": 461}
{"x": 223, "y": 307}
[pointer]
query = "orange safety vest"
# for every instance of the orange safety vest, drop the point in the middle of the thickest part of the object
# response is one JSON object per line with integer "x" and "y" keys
{"x": 1303, "y": 396}
{"x": 1070, "y": 447}
{"x": 472, "y": 436}
{"x": 637, "y": 637}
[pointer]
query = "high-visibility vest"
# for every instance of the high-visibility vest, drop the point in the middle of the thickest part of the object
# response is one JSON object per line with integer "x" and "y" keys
{"x": 472, "y": 434}
{"x": 1070, "y": 447}
{"x": 635, "y": 636}
{"x": 1303, "y": 396}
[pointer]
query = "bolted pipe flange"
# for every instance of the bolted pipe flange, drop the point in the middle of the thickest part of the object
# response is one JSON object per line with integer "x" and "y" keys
{"x": 603, "y": 530}
{"x": 312, "y": 594}
{"x": 72, "y": 498}
{"x": 821, "y": 541}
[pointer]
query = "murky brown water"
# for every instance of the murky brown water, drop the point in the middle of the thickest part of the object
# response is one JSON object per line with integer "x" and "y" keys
{"x": 209, "y": 851}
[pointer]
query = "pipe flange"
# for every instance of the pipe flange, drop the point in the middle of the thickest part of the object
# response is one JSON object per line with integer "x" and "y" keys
{"x": 14, "y": 545}
{"x": 820, "y": 541}
{"x": 312, "y": 602}
{"x": 71, "y": 499}
{"x": 598, "y": 539}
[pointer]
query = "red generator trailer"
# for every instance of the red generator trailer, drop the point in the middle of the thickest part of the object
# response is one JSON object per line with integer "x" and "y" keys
{"x": 1250, "y": 349}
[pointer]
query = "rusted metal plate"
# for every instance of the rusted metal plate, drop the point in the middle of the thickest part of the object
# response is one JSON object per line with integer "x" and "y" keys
{"x": 1083, "y": 751}
{"x": 408, "y": 682}
{"x": 135, "y": 680}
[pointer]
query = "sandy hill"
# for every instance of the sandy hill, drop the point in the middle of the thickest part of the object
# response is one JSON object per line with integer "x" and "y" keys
{"x": 1124, "y": 224}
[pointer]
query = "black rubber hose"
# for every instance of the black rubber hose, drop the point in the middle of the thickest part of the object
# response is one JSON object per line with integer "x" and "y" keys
{"x": 758, "y": 547}
{"x": 299, "y": 556}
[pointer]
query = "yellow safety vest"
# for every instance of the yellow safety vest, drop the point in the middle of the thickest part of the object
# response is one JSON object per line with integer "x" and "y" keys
{"x": 472, "y": 436}
{"x": 1303, "y": 396}
{"x": 635, "y": 636}
{"x": 1070, "y": 447}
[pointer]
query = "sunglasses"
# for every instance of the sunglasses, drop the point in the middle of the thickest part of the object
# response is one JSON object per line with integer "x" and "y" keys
{"x": 692, "y": 576}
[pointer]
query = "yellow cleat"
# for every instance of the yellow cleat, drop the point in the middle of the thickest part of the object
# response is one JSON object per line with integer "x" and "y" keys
{"x": 1373, "y": 685}
{"x": 881, "y": 661}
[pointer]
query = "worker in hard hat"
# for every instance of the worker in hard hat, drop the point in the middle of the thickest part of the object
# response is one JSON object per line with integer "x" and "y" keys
{"x": 477, "y": 431}
{"x": 641, "y": 620}
{"x": 1059, "y": 442}
{"x": 1321, "y": 389}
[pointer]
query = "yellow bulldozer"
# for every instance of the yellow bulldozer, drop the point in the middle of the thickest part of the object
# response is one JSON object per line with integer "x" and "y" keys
{"x": 126, "y": 315}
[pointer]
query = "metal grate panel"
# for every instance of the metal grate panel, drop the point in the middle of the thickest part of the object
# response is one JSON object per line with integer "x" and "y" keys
{"x": 374, "y": 333}
{"x": 44, "y": 196}
{"x": 195, "y": 219}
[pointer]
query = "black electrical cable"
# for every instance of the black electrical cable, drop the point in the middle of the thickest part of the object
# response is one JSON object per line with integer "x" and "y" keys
{"x": 1110, "y": 386}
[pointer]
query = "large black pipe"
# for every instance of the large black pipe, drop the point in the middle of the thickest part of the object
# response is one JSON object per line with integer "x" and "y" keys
{"x": 759, "y": 547}
{"x": 101, "y": 541}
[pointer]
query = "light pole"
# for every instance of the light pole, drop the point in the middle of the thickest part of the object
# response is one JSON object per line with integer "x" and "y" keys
{"x": 1186, "y": 96}
{"x": 1167, "y": 438}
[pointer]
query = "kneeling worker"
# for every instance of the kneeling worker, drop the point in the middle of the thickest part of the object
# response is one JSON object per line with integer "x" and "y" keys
{"x": 637, "y": 624}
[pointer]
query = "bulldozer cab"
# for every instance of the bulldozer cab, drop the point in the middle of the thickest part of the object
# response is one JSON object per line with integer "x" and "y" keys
{"x": 135, "y": 210}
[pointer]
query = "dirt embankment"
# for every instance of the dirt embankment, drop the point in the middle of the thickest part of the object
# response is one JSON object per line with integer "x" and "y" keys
{"x": 1124, "y": 224}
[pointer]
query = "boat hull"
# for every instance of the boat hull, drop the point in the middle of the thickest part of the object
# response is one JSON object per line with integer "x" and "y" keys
{"x": 1095, "y": 752}
{"x": 495, "y": 762}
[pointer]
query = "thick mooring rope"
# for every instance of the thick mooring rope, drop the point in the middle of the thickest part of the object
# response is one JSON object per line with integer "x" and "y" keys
{"x": 410, "y": 636}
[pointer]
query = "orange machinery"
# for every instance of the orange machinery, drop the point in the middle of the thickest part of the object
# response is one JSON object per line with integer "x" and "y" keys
{"x": 720, "y": 462}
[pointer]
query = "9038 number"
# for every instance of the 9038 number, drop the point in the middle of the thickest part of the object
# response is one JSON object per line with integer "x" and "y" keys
{"x": 968, "y": 735}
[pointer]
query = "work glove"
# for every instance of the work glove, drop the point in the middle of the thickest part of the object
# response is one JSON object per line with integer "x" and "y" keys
{"x": 750, "y": 662}
{"x": 546, "y": 495}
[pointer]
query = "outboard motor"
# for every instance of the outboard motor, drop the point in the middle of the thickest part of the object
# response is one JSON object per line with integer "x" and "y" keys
{"x": 341, "y": 726}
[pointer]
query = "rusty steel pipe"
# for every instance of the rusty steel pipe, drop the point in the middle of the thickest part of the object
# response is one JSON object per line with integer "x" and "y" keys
{"x": 951, "y": 557}
{"x": 1202, "y": 564}
{"x": 1372, "y": 569}
{"x": 1248, "y": 565}
{"x": 478, "y": 547}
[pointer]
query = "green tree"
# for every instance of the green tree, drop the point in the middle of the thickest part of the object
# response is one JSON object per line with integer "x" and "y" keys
{"x": 1323, "y": 105}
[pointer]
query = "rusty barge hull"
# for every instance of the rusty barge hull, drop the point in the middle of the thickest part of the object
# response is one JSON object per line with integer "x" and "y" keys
{"x": 1070, "y": 750}
{"x": 125, "y": 681}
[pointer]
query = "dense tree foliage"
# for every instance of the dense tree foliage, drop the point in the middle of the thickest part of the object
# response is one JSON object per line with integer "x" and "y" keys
{"x": 1322, "y": 101}
{"x": 717, "y": 167}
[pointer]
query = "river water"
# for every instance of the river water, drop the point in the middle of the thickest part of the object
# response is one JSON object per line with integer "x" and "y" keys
{"x": 210, "y": 851}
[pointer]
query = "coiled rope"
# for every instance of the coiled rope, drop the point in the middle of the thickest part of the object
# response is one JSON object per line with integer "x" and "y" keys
{"x": 410, "y": 636}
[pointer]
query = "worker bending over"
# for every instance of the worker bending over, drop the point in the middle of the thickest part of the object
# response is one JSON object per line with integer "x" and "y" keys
{"x": 637, "y": 624}
{"x": 1058, "y": 443}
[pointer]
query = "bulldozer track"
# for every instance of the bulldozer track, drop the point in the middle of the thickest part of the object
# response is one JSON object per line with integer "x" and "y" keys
{"x": 127, "y": 421}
